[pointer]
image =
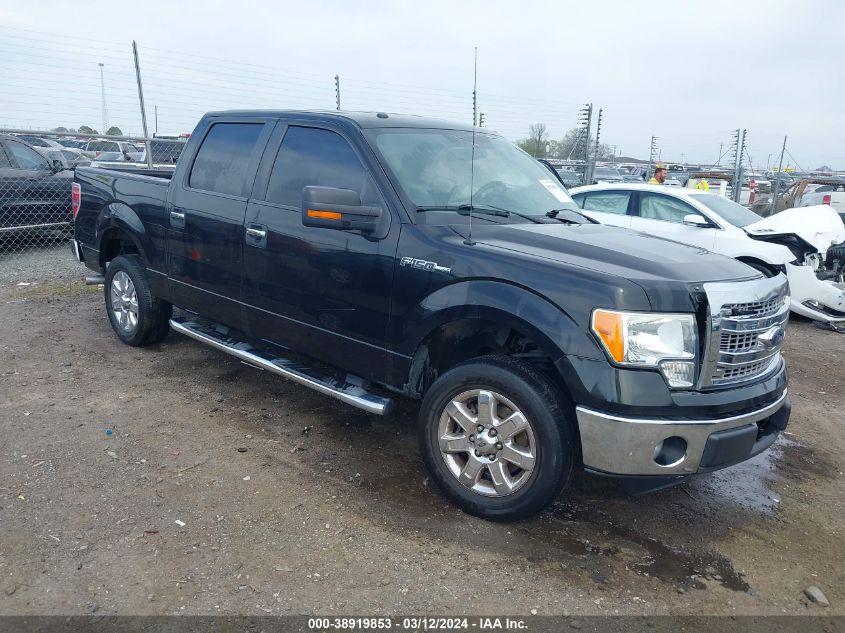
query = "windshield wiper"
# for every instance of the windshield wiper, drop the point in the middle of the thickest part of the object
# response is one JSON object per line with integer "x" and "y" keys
{"x": 578, "y": 218}
{"x": 464, "y": 209}
{"x": 487, "y": 209}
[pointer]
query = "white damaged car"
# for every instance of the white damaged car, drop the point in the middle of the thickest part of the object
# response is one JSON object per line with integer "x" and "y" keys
{"x": 807, "y": 244}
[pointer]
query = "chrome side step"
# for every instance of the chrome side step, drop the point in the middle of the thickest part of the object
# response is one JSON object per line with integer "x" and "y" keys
{"x": 219, "y": 337}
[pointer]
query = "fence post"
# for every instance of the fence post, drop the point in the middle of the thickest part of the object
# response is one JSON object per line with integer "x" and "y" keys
{"x": 147, "y": 143}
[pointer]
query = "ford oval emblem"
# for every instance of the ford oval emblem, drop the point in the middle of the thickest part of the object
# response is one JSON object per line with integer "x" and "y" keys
{"x": 772, "y": 337}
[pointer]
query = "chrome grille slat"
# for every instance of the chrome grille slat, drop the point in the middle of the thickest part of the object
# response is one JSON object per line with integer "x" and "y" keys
{"x": 739, "y": 314}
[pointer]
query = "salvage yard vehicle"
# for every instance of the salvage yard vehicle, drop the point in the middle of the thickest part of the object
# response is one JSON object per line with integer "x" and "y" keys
{"x": 34, "y": 192}
{"x": 372, "y": 255}
{"x": 796, "y": 242}
{"x": 812, "y": 191}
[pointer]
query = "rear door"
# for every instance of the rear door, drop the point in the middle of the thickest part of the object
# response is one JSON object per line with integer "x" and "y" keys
{"x": 322, "y": 291}
{"x": 205, "y": 215}
{"x": 663, "y": 216}
{"x": 608, "y": 207}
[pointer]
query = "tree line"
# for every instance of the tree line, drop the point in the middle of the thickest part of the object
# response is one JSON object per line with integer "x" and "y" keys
{"x": 84, "y": 129}
{"x": 573, "y": 145}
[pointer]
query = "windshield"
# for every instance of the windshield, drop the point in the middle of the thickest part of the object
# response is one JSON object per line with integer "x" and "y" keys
{"x": 605, "y": 172}
{"x": 433, "y": 168}
{"x": 728, "y": 210}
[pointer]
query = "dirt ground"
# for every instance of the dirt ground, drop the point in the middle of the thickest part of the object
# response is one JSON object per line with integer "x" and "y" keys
{"x": 174, "y": 479}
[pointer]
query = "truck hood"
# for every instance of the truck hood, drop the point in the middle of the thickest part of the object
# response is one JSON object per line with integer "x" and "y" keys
{"x": 647, "y": 260}
{"x": 819, "y": 225}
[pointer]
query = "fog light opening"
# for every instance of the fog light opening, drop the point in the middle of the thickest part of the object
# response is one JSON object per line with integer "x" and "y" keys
{"x": 670, "y": 452}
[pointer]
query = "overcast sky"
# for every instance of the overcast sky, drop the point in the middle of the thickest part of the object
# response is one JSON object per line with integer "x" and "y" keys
{"x": 688, "y": 73}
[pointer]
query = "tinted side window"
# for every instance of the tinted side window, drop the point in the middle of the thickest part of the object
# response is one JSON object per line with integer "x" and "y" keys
{"x": 26, "y": 158}
{"x": 314, "y": 157}
{"x": 578, "y": 198}
{"x": 223, "y": 158}
{"x": 665, "y": 208}
{"x": 608, "y": 202}
{"x": 4, "y": 159}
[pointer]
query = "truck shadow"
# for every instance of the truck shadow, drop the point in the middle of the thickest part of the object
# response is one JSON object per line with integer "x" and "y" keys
{"x": 594, "y": 530}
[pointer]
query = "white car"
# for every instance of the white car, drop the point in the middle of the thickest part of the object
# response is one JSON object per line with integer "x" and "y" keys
{"x": 834, "y": 195}
{"x": 794, "y": 242}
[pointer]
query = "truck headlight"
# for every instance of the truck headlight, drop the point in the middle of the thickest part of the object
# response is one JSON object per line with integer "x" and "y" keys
{"x": 650, "y": 339}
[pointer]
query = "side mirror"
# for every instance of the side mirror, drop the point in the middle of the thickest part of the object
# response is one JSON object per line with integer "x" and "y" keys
{"x": 56, "y": 166}
{"x": 693, "y": 219}
{"x": 330, "y": 208}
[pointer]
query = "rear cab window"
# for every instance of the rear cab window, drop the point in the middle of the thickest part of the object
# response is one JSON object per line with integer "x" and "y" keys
{"x": 223, "y": 160}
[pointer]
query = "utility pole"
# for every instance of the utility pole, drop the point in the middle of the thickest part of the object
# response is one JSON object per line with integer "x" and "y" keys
{"x": 337, "y": 91}
{"x": 149, "y": 152}
{"x": 156, "y": 111}
{"x": 719, "y": 160}
{"x": 740, "y": 150}
{"x": 651, "y": 156}
{"x": 585, "y": 119}
{"x": 598, "y": 133}
{"x": 105, "y": 110}
{"x": 774, "y": 207}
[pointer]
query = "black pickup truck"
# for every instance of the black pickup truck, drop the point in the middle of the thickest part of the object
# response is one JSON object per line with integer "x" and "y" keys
{"x": 370, "y": 256}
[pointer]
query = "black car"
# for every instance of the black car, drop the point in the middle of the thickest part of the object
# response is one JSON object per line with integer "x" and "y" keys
{"x": 34, "y": 193}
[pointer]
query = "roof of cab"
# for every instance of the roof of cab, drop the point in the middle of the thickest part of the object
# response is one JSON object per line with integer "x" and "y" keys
{"x": 363, "y": 120}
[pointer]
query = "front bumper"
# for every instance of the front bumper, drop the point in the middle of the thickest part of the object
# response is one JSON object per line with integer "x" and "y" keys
{"x": 617, "y": 445}
{"x": 813, "y": 298}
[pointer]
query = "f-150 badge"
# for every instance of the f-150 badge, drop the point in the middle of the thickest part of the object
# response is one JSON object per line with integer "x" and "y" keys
{"x": 423, "y": 265}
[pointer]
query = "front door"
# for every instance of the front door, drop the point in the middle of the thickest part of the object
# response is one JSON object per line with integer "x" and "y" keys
{"x": 663, "y": 216}
{"x": 323, "y": 291}
{"x": 205, "y": 216}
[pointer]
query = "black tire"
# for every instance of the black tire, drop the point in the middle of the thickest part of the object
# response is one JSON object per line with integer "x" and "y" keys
{"x": 548, "y": 412}
{"x": 153, "y": 318}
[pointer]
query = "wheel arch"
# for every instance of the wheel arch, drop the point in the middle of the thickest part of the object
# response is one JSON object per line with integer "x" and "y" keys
{"x": 473, "y": 319}
{"x": 120, "y": 232}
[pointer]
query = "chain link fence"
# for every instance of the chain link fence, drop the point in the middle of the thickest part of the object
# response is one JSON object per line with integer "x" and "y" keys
{"x": 36, "y": 174}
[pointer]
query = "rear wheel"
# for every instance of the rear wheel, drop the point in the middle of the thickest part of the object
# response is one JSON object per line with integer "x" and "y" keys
{"x": 497, "y": 437}
{"x": 137, "y": 317}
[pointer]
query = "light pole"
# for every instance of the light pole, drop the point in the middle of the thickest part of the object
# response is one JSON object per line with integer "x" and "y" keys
{"x": 105, "y": 111}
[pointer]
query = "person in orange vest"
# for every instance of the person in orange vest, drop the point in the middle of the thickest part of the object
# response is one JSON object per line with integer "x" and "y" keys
{"x": 659, "y": 175}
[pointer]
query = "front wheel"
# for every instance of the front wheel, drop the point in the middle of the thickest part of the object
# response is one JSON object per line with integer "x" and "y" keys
{"x": 137, "y": 317}
{"x": 497, "y": 437}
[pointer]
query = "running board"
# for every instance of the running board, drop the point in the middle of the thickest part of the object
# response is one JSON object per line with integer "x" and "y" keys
{"x": 219, "y": 337}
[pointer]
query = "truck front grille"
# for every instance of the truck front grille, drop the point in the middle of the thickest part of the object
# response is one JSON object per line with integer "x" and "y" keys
{"x": 756, "y": 308}
{"x": 745, "y": 334}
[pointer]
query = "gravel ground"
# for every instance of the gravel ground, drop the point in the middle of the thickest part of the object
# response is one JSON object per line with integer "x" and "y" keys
{"x": 174, "y": 479}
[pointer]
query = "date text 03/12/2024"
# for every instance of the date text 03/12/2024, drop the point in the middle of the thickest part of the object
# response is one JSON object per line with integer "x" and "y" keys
{"x": 418, "y": 623}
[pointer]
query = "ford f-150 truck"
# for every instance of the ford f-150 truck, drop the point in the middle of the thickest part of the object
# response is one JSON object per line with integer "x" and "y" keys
{"x": 370, "y": 256}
